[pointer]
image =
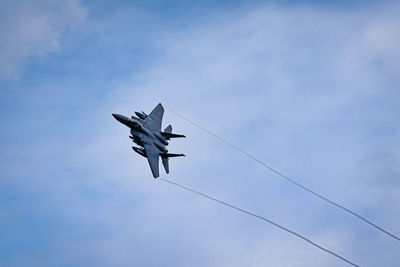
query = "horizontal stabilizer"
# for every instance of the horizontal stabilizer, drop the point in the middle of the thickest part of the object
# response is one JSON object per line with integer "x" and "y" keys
{"x": 171, "y": 155}
{"x": 171, "y": 135}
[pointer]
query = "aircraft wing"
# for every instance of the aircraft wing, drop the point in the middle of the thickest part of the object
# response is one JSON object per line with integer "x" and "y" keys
{"x": 153, "y": 157}
{"x": 155, "y": 118}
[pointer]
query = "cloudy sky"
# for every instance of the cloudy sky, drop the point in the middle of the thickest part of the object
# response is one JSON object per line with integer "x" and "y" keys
{"x": 310, "y": 87}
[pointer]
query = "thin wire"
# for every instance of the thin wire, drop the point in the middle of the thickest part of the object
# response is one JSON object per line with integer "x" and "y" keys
{"x": 289, "y": 179}
{"x": 261, "y": 218}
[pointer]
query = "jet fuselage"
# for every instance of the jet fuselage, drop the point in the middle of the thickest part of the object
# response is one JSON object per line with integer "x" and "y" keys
{"x": 137, "y": 129}
{"x": 145, "y": 131}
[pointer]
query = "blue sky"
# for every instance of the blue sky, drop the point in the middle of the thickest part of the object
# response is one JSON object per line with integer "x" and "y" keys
{"x": 310, "y": 87}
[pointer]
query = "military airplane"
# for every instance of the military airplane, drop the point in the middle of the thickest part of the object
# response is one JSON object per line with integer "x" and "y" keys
{"x": 146, "y": 133}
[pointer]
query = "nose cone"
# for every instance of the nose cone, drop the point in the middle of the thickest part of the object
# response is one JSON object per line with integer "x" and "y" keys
{"x": 120, "y": 118}
{"x": 117, "y": 116}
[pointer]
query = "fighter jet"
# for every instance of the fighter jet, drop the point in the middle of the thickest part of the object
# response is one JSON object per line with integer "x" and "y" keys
{"x": 146, "y": 133}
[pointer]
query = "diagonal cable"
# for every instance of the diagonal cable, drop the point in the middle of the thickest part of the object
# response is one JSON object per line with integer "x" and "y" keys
{"x": 289, "y": 179}
{"x": 261, "y": 218}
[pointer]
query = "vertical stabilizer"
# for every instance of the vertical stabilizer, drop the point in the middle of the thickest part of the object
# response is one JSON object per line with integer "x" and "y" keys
{"x": 168, "y": 129}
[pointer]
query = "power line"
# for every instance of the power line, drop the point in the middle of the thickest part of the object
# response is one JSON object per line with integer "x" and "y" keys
{"x": 289, "y": 179}
{"x": 261, "y": 218}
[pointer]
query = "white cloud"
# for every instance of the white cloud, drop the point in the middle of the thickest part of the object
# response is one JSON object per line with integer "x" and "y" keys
{"x": 302, "y": 89}
{"x": 32, "y": 29}
{"x": 298, "y": 87}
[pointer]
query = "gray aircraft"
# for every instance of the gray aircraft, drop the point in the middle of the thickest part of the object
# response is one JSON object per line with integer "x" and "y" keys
{"x": 146, "y": 133}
